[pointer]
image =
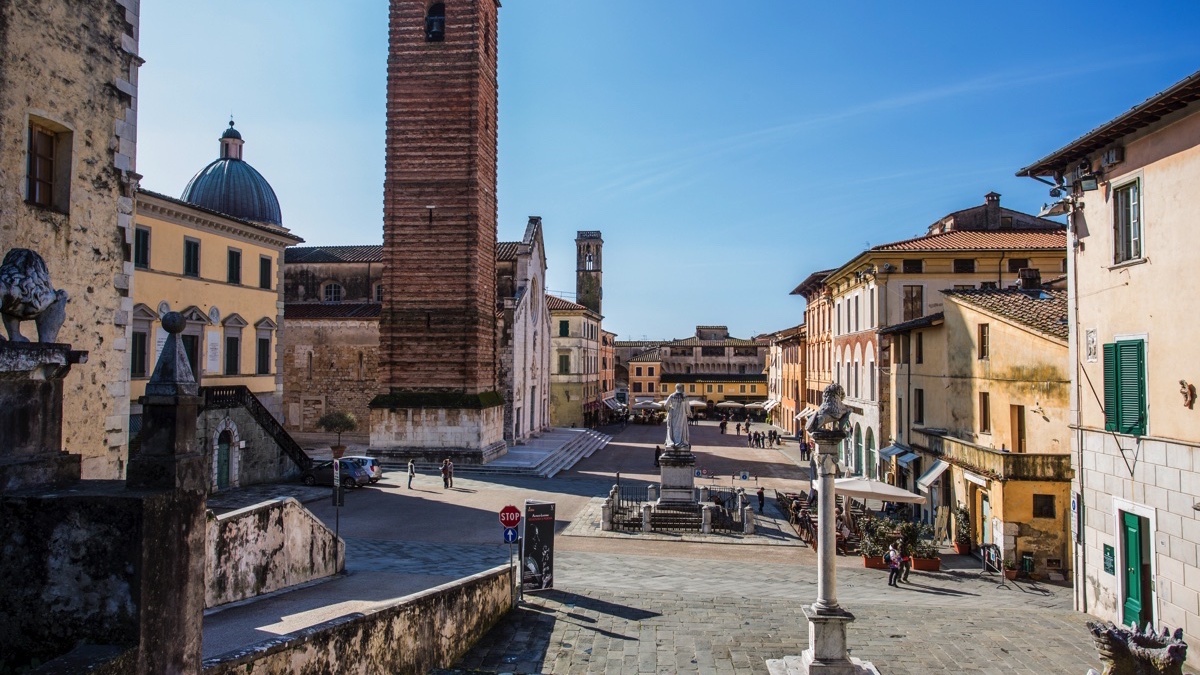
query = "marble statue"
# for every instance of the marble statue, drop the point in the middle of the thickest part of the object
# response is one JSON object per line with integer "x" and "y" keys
{"x": 677, "y": 419}
{"x": 832, "y": 410}
{"x": 26, "y": 295}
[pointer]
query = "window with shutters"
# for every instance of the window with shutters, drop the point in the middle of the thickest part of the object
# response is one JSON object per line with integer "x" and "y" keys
{"x": 1125, "y": 387}
{"x": 564, "y": 328}
{"x": 985, "y": 342}
{"x": 48, "y": 171}
{"x": 564, "y": 364}
{"x": 914, "y": 302}
{"x": 985, "y": 412}
{"x": 1127, "y": 223}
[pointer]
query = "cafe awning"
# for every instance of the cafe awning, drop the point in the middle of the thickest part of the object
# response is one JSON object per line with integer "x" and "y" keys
{"x": 891, "y": 451}
{"x": 612, "y": 403}
{"x": 932, "y": 474}
{"x": 907, "y": 458}
{"x": 770, "y": 405}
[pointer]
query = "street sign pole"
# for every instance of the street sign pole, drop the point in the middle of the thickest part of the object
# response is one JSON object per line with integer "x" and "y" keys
{"x": 510, "y": 518}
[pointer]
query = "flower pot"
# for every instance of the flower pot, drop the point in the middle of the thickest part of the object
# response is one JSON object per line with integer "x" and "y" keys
{"x": 874, "y": 562}
{"x": 927, "y": 564}
{"x": 338, "y": 451}
{"x": 962, "y": 549}
{"x": 1010, "y": 574}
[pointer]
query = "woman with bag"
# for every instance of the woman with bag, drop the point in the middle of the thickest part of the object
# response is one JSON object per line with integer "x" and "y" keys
{"x": 892, "y": 557}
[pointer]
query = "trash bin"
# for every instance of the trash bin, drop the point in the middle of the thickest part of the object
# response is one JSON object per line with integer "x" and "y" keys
{"x": 1027, "y": 563}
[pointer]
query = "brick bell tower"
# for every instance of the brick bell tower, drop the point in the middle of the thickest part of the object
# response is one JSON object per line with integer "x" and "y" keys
{"x": 437, "y": 331}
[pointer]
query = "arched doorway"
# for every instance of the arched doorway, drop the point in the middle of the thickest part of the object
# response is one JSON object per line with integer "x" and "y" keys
{"x": 224, "y": 441}
{"x": 858, "y": 450}
{"x": 872, "y": 459}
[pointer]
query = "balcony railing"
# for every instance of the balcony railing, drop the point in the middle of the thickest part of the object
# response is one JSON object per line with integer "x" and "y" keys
{"x": 996, "y": 464}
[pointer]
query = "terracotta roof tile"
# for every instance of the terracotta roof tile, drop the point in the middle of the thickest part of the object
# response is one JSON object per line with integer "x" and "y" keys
{"x": 332, "y": 310}
{"x": 507, "y": 250}
{"x": 557, "y": 304}
{"x": 650, "y": 355}
{"x": 987, "y": 240}
{"x": 1044, "y": 311}
{"x": 372, "y": 253}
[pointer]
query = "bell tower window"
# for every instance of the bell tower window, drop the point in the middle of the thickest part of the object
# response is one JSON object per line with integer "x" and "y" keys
{"x": 435, "y": 22}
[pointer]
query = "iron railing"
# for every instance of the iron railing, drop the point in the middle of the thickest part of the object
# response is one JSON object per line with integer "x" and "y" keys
{"x": 240, "y": 396}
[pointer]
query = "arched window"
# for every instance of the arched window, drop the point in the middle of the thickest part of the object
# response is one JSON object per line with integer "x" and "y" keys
{"x": 332, "y": 293}
{"x": 435, "y": 22}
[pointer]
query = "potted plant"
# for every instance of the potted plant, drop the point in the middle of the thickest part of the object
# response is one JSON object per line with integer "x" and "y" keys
{"x": 874, "y": 544}
{"x": 1010, "y": 568}
{"x": 338, "y": 422}
{"x": 962, "y": 531}
{"x": 925, "y": 556}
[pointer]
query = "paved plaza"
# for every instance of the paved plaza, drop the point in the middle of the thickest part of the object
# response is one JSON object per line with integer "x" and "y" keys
{"x": 629, "y": 603}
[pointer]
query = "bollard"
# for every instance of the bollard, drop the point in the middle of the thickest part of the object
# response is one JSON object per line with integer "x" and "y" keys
{"x": 704, "y": 494}
{"x": 606, "y": 511}
{"x": 747, "y": 520}
{"x": 706, "y": 519}
{"x": 651, "y": 493}
{"x": 646, "y": 511}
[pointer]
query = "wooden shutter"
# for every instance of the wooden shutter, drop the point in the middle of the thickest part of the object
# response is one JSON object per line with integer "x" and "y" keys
{"x": 1110, "y": 387}
{"x": 1131, "y": 385}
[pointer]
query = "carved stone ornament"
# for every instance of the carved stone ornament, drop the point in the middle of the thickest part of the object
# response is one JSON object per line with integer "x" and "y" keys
{"x": 1125, "y": 651}
{"x": 27, "y": 295}
{"x": 833, "y": 415}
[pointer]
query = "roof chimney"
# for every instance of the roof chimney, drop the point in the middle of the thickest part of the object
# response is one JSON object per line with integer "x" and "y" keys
{"x": 991, "y": 203}
{"x": 1029, "y": 279}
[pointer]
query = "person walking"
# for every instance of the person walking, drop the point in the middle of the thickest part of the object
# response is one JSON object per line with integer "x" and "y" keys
{"x": 412, "y": 472}
{"x": 905, "y": 562}
{"x": 451, "y": 466}
{"x": 657, "y": 452}
{"x": 762, "y": 499}
{"x": 445, "y": 474}
{"x": 892, "y": 557}
{"x": 749, "y": 440}
{"x": 738, "y": 428}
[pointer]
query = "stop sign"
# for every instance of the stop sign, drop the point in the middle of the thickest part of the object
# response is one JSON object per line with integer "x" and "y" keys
{"x": 510, "y": 516}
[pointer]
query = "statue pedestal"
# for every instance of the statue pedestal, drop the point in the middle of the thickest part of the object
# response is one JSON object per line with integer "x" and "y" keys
{"x": 31, "y": 402}
{"x": 677, "y": 476}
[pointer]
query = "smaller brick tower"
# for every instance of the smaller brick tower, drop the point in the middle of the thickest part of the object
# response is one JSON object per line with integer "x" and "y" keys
{"x": 589, "y": 275}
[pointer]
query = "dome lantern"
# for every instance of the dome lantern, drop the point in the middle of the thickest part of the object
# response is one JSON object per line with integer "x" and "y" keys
{"x": 229, "y": 185}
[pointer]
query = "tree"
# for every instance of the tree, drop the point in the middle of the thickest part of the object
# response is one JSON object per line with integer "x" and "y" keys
{"x": 338, "y": 422}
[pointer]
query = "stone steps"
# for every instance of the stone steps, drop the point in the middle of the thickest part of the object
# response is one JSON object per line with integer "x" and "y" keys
{"x": 557, "y": 450}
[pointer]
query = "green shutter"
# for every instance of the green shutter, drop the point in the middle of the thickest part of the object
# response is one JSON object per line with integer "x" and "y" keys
{"x": 1131, "y": 383}
{"x": 1110, "y": 387}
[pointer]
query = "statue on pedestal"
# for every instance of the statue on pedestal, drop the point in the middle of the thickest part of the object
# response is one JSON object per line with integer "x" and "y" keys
{"x": 678, "y": 412}
{"x": 27, "y": 295}
{"x": 832, "y": 411}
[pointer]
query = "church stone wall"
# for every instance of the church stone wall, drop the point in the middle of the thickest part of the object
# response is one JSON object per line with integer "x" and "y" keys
{"x": 71, "y": 66}
{"x": 344, "y": 358}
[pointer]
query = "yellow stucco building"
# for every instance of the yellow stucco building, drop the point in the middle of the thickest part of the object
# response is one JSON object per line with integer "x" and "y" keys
{"x": 215, "y": 255}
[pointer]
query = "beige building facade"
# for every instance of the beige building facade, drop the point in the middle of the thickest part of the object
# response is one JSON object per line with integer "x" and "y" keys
{"x": 68, "y": 120}
{"x": 575, "y": 389}
{"x": 981, "y": 391}
{"x": 1128, "y": 188}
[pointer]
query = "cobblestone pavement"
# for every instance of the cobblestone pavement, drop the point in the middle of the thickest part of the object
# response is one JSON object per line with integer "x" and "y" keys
{"x": 634, "y": 614}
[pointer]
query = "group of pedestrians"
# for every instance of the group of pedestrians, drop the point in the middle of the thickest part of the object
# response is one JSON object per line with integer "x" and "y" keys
{"x": 447, "y": 473}
{"x": 758, "y": 439}
{"x": 805, "y": 450}
{"x": 899, "y": 564}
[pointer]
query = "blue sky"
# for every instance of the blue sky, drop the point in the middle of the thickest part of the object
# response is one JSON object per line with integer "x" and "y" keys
{"x": 725, "y": 150}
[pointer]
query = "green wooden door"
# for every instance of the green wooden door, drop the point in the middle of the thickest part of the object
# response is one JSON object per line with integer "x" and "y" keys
{"x": 1134, "y": 608}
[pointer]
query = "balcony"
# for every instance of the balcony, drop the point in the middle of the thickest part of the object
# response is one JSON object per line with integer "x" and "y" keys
{"x": 995, "y": 464}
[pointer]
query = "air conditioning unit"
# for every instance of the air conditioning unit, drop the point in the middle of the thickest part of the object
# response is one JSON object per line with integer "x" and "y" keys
{"x": 1112, "y": 156}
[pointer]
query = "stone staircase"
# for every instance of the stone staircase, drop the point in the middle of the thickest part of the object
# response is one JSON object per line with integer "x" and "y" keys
{"x": 556, "y": 450}
{"x": 676, "y": 518}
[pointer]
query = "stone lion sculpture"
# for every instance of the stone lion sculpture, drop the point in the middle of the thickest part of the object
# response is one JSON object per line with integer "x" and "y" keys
{"x": 26, "y": 295}
{"x": 832, "y": 410}
{"x": 1129, "y": 651}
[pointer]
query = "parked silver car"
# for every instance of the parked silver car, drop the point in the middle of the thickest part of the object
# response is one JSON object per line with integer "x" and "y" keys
{"x": 352, "y": 474}
{"x": 373, "y": 467}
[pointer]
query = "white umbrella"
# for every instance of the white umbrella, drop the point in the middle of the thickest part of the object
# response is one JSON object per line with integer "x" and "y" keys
{"x": 729, "y": 404}
{"x": 757, "y": 405}
{"x": 647, "y": 405}
{"x": 865, "y": 488}
{"x": 696, "y": 403}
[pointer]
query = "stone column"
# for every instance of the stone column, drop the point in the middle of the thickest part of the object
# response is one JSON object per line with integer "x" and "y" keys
{"x": 169, "y": 471}
{"x": 647, "y": 511}
{"x": 827, "y": 621}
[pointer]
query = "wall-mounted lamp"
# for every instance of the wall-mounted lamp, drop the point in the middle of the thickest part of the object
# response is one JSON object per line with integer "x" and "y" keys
{"x": 1088, "y": 179}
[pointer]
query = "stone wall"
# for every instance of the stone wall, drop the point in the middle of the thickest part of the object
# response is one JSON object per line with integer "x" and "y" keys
{"x": 266, "y": 547}
{"x": 427, "y": 630}
{"x": 70, "y": 67}
{"x": 260, "y": 461}
{"x": 329, "y": 365}
{"x": 464, "y": 435}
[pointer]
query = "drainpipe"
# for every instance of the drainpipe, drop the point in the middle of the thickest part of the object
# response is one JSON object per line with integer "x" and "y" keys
{"x": 1000, "y": 271}
{"x": 1080, "y": 547}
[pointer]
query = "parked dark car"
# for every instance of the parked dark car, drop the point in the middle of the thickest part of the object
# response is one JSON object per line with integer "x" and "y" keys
{"x": 372, "y": 465}
{"x": 353, "y": 475}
